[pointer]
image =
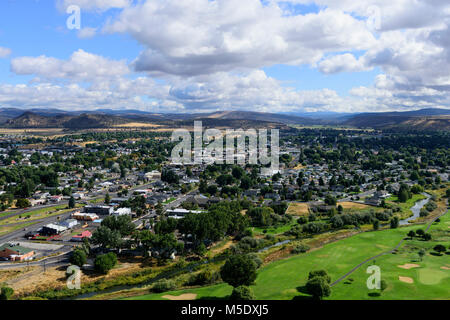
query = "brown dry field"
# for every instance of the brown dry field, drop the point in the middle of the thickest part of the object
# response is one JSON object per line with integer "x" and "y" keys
{"x": 138, "y": 125}
{"x": 28, "y": 280}
{"x": 354, "y": 205}
{"x": 298, "y": 209}
{"x": 409, "y": 266}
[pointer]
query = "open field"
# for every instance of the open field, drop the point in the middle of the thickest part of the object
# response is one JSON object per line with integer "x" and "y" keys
{"x": 284, "y": 279}
{"x": 8, "y": 228}
{"x": 352, "y": 206}
{"x": 302, "y": 208}
{"x": 37, "y": 215}
{"x": 298, "y": 209}
{"x": 275, "y": 230}
{"x": 138, "y": 125}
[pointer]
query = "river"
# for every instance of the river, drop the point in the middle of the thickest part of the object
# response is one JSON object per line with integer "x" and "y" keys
{"x": 416, "y": 210}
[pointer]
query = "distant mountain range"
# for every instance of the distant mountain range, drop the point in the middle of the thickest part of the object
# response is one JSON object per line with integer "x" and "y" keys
{"x": 425, "y": 119}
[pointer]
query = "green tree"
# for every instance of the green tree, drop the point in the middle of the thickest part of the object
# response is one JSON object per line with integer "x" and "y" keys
{"x": 411, "y": 234}
{"x": 421, "y": 254}
{"x": 107, "y": 198}
{"x": 318, "y": 287}
{"x": 105, "y": 262}
{"x": 440, "y": 248}
{"x": 376, "y": 224}
{"x": 6, "y": 293}
{"x": 330, "y": 200}
{"x": 319, "y": 273}
{"x": 79, "y": 257}
{"x": 72, "y": 202}
{"x": 23, "y": 203}
{"x": 395, "y": 222}
{"x": 106, "y": 238}
{"x": 427, "y": 237}
{"x": 242, "y": 293}
{"x": 123, "y": 224}
{"x": 239, "y": 270}
{"x": 237, "y": 172}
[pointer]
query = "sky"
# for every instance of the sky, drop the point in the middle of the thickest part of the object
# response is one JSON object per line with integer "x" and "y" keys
{"x": 170, "y": 56}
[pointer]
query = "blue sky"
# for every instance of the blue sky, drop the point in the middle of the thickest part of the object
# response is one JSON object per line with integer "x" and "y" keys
{"x": 166, "y": 56}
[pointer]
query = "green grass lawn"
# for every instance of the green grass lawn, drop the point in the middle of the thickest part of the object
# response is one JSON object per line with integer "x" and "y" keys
{"x": 280, "y": 280}
{"x": 38, "y": 214}
{"x": 275, "y": 230}
{"x": 4, "y": 230}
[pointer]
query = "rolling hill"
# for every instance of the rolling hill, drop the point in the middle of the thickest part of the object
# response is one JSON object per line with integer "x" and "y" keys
{"x": 425, "y": 119}
{"x": 83, "y": 121}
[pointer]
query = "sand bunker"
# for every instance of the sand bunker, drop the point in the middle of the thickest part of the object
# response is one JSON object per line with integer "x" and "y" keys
{"x": 406, "y": 279}
{"x": 409, "y": 266}
{"x": 187, "y": 296}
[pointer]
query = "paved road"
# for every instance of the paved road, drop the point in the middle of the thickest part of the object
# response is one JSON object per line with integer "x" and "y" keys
{"x": 180, "y": 200}
{"x": 61, "y": 260}
{"x": 14, "y": 213}
{"x": 363, "y": 194}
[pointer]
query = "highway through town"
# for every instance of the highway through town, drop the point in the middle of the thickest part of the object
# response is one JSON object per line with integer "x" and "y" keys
{"x": 18, "y": 235}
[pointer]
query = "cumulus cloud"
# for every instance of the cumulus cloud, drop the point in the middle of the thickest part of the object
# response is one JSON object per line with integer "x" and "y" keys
{"x": 81, "y": 66}
{"x": 195, "y": 37}
{"x": 203, "y": 55}
{"x": 342, "y": 63}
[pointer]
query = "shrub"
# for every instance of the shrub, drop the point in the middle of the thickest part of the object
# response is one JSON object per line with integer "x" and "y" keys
{"x": 319, "y": 273}
{"x": 6, "y": 293}
{"x": 163, "y": 285}
{"x": 204, "y": 278}
{"x": 239, "y": 270}
{"x": 302, "y": 248}
{"x": 242, "y": 293}
{"x": 440, "y": 248}
{"x": 78, "y": 257}
{"x": 424, "y": 212}
{"x": 105, "y": 262}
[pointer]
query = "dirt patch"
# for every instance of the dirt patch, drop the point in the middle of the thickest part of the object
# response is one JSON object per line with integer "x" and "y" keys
{"x": 353, "y": 205}
{"x": 187, "y": 296}
{"x": 445, "y": 268}
{"x": 406, "y": 279}
{"x": 222, "y": 248}
{"x": 409, "y": 266}
{"x": 298, "y": 209}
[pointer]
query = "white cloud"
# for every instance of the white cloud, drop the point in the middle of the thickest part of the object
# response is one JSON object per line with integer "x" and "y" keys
{"x": 99, "y": 5}
{"x": 208, "y": 55}
{"x": 4, "y": 52}
{"x": 82, "y": 66}
{"x": 342, "y": 63}
{"x": 194, "y": 37}
{"x": 86, "y": 33}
